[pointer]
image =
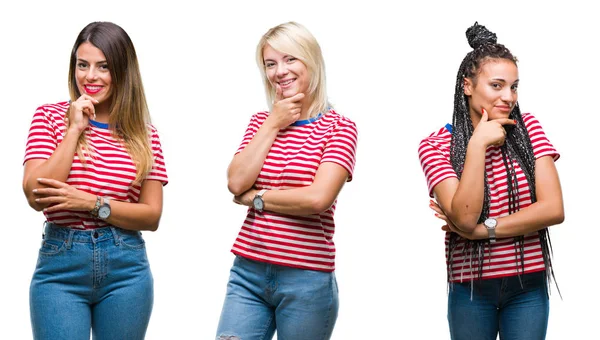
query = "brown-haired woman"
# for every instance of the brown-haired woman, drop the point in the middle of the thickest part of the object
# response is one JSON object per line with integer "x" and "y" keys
{"x": 94, "y": 165}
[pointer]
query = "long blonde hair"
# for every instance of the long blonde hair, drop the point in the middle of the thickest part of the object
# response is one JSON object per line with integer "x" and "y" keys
{"x": 129, "y": 117}
{"x": 294, "y": 39}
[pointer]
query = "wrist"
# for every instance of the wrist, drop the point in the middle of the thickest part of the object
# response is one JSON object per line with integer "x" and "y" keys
{"x": 74, "y": 131}
{"x": 477, "y": 144}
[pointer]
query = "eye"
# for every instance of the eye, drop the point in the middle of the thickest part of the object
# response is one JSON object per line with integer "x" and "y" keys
{"x": 514, "y": 88}
{"x": 269, "y": 64}
{"x": 81, "y": 65}
{"x": 497, "y": 85}
{"x": 291, "y": 60}
{"x": 104, "y": 67}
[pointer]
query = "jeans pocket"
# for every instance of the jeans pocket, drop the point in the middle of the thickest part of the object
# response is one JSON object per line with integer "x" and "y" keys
{"x": 131, "y": 239}
{"x": 51, "y": 247}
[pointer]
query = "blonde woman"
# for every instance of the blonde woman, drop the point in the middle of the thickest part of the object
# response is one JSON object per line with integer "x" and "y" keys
{"x": 291, "y": 165}
{"x": 94, "y": 166}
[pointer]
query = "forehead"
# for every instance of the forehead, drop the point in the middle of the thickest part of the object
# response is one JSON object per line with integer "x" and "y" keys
{"x": 89, "y": 52}
{"x": 271, "y": 53}
{"x": 499, "y": 68}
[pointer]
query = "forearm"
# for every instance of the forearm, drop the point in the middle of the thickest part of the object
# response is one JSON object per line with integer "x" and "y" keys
{"x": 468, "y": 199}
{"x": 246, "y": 165}
{"x": 134, "y": 216}
{"x": 537, "y": 216}
{"x": 297, "y": 202}
{"x": 56, "y": 167}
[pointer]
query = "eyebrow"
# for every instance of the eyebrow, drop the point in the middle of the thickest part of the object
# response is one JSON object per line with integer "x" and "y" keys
{"x": 100, "y": 62}
{"x": 503, "y": 80}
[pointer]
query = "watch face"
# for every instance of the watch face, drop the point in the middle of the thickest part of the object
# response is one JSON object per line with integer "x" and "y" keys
{"x": 490, "y": 223}
{"x": 258, "y": 203}
{"x": 104, "y": 212}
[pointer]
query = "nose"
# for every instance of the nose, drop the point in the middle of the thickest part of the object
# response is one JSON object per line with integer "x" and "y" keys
{"x": 91, "y": 74}
{"x": 282, "y": 70}
{"x": 509, "y": 96}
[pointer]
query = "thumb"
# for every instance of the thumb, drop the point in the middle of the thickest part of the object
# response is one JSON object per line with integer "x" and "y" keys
{"x": 278, "y": 93}
{"x": 484, "y": 116}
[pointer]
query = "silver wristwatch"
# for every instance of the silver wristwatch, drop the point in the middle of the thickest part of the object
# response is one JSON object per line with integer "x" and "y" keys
{"x": 490, "y": 225}
{"x": 104, "y": 211}
{"x": 258, "y": 202}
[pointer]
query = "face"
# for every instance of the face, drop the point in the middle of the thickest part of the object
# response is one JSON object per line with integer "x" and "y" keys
{"x": 495, "y": 91}
{"x": 285, "y": 71}
{"x": 92, "y": 74}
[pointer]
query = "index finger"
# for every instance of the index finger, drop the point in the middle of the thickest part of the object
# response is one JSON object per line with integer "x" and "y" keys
{"x": 51, "y": 182}
{"x": 506, "y": 121}
{"x": 88, "y": 97}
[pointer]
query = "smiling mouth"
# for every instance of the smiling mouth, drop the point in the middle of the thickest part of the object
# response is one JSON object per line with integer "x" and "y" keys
{"x": 92, "y": 89}
{"x": 286, "y": 82}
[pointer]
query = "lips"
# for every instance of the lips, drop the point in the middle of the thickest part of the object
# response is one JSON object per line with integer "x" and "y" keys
{"x": 504, "y": 108}
{"x": 286, "y": 83}
{"x": 92, "y": 89}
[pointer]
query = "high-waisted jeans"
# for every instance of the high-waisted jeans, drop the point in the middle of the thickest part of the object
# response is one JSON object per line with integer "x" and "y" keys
{"x": 516, "y": 308}
{"x": 96, "y": 280}
{"x": 261, "y": 298}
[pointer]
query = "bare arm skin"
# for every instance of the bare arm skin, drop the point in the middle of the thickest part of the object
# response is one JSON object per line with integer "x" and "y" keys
{"x": 309, "y": 200}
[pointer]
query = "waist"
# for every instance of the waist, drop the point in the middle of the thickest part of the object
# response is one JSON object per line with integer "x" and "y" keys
{"x": 72, "y": 234}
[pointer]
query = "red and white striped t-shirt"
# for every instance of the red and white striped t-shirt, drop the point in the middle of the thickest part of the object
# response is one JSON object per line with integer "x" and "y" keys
{"x": 301, "y": 242}
{"x": 110, "y": 171}
{"x": 434, "y": 154}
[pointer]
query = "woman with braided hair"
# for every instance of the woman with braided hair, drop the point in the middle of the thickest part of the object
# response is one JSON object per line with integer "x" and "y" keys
{"x": 495, "y": 184}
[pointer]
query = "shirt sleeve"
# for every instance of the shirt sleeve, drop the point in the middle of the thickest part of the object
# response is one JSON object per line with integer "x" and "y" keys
{"x": 159, "y": 170}
{"x": 42, "y": 139}
{"x": 341, "y": 147}
{"x": 436, "y": 165}
{"x": 541, "y": 145}
{"x": 250, "y": 132}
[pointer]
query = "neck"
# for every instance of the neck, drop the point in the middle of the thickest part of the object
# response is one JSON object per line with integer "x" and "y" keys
{"x": 102, "y": 112}
{"x": 304, "y": 113}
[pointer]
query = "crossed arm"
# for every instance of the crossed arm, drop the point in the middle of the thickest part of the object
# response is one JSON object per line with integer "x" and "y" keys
{"x": 459, "y": 203}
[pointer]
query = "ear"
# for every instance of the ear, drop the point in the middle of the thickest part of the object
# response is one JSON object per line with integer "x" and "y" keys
{"x": 468, "y": 86}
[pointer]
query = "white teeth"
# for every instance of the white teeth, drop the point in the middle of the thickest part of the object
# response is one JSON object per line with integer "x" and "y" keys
{"x": 93, "y": 88}
{"x": 287, "y": 82}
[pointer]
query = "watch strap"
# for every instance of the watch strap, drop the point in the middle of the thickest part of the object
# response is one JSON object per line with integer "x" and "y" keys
{"x": 94, "y": 211}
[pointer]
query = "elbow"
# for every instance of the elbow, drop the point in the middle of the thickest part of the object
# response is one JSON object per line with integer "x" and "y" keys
{"x": 154, "y": 223}
{"x": 319, "y": 204}
{"x": 32, "y": 203}
{"x": 464, "y": 224}
{"x": 559, "y": 216}
{"x": 237, "y": 186}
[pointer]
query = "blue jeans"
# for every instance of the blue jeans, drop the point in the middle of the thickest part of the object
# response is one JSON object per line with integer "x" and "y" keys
{"x": 517, "y": 309}
{"x": 261, "y": 298}
{"x": 91, "y": 279}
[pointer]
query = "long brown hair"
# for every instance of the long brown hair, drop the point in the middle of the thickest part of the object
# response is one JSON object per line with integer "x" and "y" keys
{"x": 129, "y": 116}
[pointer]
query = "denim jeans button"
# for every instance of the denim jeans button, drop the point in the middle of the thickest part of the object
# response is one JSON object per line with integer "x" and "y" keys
{"x": 95, "y": 234}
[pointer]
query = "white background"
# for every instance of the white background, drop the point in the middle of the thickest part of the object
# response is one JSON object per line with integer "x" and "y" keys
{"x": 391, "y": 69}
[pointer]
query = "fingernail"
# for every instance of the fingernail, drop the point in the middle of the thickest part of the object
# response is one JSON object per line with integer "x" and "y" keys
{"x": 482, "y": 111}
{"x": 514, "y": 120}
{"x": 437, "y": 215}
{"x": 37, "y": 199}
{"x": 34, "y": 191}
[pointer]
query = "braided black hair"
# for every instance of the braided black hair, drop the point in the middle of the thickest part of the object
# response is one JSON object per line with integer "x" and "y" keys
{"x": 516, "y": 148}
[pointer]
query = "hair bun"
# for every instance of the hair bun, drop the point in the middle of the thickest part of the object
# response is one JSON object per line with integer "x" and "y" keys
{"x": 478, "y": 35}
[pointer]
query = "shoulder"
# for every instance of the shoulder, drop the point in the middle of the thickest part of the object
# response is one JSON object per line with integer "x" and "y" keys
{"x": 53, "y": 114}
{"x": 338, "y": 121}
{"x": 56, "y": 109}
{"x": 442, "y": 137}
{"x": 532, "y": 124}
